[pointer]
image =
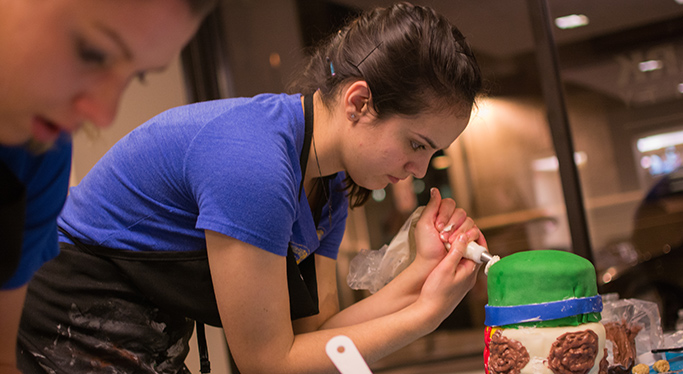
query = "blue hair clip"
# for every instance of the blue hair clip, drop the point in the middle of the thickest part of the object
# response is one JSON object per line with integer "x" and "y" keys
{"x": 331, "y": 66}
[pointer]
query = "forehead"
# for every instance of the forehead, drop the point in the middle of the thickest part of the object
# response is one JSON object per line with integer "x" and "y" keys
{"x": 152, "y": 29}
{"x": 440, "y": 129}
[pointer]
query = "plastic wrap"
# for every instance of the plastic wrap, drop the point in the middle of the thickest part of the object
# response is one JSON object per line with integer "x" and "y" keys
{"x": 373, "y": 269}
{"x": 633, "y": 332}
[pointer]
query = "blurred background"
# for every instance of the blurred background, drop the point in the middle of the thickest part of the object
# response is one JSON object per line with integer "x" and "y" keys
{"x": 576, "y": 146}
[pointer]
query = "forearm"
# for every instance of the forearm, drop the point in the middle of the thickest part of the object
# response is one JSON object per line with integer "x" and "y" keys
{"x": 11, "y": 304}
{"x": 374, "y": 339}
{"x": 401, "y": 292}
{"x": 9, "y": 369}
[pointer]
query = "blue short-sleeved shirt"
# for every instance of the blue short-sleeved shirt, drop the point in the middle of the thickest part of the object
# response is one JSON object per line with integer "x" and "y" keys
{"x": 46, "y": 180}
{"x": 230, "y": 166}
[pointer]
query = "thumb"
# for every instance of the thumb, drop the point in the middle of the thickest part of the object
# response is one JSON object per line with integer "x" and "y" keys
{"x": 431, "y": 210}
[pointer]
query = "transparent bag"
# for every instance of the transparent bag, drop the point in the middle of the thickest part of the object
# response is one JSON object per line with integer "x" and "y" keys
{"x": 640, "y": 322}
{"x": 373, "y": 269}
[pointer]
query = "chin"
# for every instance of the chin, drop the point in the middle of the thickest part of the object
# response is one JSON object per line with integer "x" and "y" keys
{"x": 375, "y": 186}
{"x": 37, "y": 147}
{"x": 367, "y": 183}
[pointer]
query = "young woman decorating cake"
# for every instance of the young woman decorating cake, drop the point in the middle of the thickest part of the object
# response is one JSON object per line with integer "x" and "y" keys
{"x": 231, "y": 213}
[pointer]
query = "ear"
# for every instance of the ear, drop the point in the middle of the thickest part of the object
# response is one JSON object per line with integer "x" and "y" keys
{"x": 356, "y": 100}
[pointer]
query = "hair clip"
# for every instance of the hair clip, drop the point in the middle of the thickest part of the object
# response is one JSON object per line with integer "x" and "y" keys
{"x": 331, "y": 66}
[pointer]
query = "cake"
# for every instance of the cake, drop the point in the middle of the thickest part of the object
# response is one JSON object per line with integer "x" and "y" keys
{"x": 543, "y": 315}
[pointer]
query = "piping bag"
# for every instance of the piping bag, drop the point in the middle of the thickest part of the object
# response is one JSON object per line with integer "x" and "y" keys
{"x": 373, "y": 269}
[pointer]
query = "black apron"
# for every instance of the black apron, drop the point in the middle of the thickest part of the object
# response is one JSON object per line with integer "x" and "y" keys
{"x": 161, "y": 288}
{"x": 12, "y": 218}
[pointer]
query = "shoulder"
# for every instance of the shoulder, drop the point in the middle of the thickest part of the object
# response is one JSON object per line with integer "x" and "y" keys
{"x": 262, "y": 131}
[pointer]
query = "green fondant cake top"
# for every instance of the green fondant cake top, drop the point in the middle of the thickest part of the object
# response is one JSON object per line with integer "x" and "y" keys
{"x": 540, "y": 276}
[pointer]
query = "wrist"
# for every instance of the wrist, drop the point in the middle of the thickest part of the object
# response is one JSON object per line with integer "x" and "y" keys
{"x": 422, "y": 266}
{"x": 423, "y": 317}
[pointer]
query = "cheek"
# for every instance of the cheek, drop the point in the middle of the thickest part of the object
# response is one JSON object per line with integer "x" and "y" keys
{"x": 52, "y": 76}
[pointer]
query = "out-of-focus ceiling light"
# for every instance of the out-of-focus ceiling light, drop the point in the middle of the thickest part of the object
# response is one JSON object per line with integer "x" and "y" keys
{"x": 679, "y": 1}
{"x": 441, "y": 162}
{"x": 659, "y": 141}
{"x": 274, "y": 60}
{"x": 650, "y": 65}
{"x": 572, "y": 21}
{"x": 379, "y": 195}
{"x": 552, "y": 164}
{"x": 680, "y": 85}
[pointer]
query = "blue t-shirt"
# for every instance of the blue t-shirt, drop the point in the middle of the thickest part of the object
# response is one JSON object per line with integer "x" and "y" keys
{"x": 230, "y": 166}
{"x": 46, "y": 180}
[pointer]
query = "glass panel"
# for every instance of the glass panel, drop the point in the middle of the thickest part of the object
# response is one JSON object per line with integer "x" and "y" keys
{"x": 623, "y": 91}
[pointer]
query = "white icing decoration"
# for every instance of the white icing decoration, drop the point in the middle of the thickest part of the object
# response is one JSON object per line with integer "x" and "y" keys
{"x": 493, "y": 260}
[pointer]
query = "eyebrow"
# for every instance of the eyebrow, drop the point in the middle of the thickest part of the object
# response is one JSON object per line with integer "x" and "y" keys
{"x": 428, "y": 141}
{"x": 127, "y": 53}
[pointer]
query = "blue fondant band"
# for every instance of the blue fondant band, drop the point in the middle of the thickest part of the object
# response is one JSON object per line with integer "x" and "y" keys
{"x": 508, "y": 315}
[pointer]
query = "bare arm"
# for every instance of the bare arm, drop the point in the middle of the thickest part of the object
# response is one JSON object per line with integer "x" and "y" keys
{"x": 252, "y": 296}
{"x": 11, "y": 304}
{"x": 406, "y": 287}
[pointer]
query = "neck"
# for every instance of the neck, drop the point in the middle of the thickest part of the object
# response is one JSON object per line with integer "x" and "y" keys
{"x": 322, "y": 159}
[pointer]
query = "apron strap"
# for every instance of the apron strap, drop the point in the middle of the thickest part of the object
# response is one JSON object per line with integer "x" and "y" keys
{"x": 308, "y": 135}
{"x": 204, "y": 363}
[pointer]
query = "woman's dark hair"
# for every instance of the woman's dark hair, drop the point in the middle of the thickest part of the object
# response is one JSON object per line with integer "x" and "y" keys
{"x": 413, "y": 60}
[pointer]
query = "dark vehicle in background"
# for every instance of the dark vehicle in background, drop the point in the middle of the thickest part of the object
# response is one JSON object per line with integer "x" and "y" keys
{"x": 650, "y": 265}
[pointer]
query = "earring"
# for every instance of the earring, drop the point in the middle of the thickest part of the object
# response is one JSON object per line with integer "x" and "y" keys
{"x": 352, "y": 116}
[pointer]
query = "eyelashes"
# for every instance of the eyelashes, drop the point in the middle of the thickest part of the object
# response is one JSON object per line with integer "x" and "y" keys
{"x": 141, "y": 77}
{"x": 90, "y": 54}
{"x": 97, "y": 57}
{"x": 416, "y": 146}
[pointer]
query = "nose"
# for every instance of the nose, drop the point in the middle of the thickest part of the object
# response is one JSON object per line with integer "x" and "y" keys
{"x": 99, "y": 102}
{"x": 418, "y": 167}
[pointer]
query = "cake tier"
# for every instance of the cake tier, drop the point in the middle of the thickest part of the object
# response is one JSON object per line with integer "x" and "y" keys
{"x": 542, "y": 276}
{"x": 547, "y": 350}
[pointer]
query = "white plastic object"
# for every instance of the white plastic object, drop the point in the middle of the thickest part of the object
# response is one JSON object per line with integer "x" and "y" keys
{"x": 477, "y": 253}
{"x": 345, "y": 356}
{"x": 474, "y": 252}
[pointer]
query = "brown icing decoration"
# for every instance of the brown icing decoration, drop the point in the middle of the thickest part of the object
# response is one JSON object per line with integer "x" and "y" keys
{"x": 508, "y": 356}
{"x": 604, "y": 365}
{"x": 574, "y": 353}
{"x": 623, "y": 338}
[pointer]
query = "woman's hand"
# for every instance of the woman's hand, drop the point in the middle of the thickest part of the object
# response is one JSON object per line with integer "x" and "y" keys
{"x": 440, "y": 223}
{"x": 448, "y": 283}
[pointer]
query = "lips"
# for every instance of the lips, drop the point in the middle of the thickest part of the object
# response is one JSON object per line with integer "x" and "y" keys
{"x": 44, "y": 131}
{"x": 393, "y": 179}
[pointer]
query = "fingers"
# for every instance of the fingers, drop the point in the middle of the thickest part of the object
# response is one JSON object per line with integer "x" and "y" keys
{"x": 463, "y": 269}
{"x": 461, "y": 225}
{"x": 448, "y": 220}
{"x": 453, "y": 263}
{"x": 429, "y": 214}
{"x": 445, "y": 216}
{"x": 432, "y": 208}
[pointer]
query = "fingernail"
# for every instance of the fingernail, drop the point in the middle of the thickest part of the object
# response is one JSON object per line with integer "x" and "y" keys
{"x": 439, "y": 227}
{"x": 462, "y": 238}
{"x": 448, "y": 228}
{"x": 432, "y": 191}
{"x": 448, "y": 246}
{"x": 443, "y": 237}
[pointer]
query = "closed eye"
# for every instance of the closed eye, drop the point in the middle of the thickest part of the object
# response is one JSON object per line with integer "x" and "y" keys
{"x": 90, "y": 54}
{"x": 416, "y": 146}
